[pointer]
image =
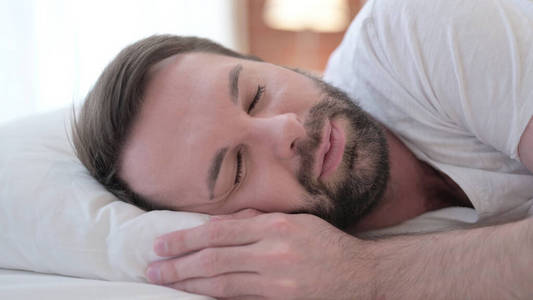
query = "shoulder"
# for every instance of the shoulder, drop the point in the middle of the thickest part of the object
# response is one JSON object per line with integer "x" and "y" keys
{"x": 427, "y": 15}
{"x": 431, "y": 18}
{"x": 435, "y": 9}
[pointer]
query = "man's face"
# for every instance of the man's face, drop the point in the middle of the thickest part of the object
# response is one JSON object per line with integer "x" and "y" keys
{"x": 218, "y": 134}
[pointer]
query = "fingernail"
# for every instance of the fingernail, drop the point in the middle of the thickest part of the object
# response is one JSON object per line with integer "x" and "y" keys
{"x": 154, "y": 274}
{"x": 161, "y": 247}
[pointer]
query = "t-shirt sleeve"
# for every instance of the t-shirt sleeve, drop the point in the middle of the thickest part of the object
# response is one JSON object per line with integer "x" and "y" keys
{"x": 470, "y": 62}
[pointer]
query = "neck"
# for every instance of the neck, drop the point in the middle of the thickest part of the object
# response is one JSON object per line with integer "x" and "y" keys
{"x": 408, "y": 192}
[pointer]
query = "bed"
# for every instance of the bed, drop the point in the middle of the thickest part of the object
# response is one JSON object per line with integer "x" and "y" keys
{"x": 63, "y": 236}
{"x": 16, "y": 284}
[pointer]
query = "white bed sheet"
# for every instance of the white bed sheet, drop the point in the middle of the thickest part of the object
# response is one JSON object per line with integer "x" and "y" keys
{"x": 18, "y": 285}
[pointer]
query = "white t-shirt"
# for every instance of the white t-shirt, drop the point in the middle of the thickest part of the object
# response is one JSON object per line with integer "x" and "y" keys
{"x": 453, "y": 79}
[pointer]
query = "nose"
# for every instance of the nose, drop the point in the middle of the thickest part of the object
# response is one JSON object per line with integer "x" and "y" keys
{"x": 279, "y": 133}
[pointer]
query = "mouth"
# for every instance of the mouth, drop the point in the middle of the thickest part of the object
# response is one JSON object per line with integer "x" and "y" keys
{"x": 331, "y": 149}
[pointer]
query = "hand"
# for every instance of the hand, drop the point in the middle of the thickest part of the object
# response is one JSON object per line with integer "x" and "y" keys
{"x": 264, "y": 256}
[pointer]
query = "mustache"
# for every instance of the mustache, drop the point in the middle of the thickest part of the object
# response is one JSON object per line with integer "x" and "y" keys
{"x": 327, "y": 108}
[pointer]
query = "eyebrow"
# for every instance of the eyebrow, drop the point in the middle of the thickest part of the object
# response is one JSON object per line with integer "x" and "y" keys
{"x": 234, "y": 82}
{"x": 214, "y": 169}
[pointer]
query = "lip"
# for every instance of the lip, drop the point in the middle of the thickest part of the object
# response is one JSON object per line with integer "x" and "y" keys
{"x": 331, "y": 150}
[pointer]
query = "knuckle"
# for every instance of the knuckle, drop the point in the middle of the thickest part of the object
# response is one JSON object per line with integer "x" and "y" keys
{"x": 170, "y": 244}
{"x": 280, "y": 224}
{"x": 177, "y": 243}
{"x": 251, "y": 212}
{"x": 290, "y": 288}
{"x": 285, "y": 254}
{"x": 213, "y": 233}
{"x": 281, "y": 253}
{"x": 221, "y": 287}
{"x": 167, "y": 271}
{"x": 208, "y": 261}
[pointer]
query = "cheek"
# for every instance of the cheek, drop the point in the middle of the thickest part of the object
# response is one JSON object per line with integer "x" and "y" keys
{"x": 296, "y": 101}
{"x": 272, "y": 193}
{"x": 299, "y": 104}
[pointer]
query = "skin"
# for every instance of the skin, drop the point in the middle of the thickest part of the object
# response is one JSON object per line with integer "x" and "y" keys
{"x": 180, "y": 129}
{"x": 169, "y": 153}
{"x": 255, "y": 250}
{"x": 280, "y": 144}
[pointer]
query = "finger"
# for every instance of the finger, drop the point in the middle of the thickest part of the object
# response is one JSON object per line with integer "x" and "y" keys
{"x": 242, "y": 214}
{"x": 249, "y": 297}
{"x": 223, "y": 286}
{"x": 205, "y": 263}
{"x": 211, "y": 234}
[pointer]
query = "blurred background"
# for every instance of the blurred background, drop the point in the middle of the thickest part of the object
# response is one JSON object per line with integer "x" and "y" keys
{"x": 53, "y": 51}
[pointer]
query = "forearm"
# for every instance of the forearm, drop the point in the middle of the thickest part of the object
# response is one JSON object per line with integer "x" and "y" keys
{"x": 484, "y": 263}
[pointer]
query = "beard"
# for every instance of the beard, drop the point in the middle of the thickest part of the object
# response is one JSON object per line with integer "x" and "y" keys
{"x": 361, "y": 178}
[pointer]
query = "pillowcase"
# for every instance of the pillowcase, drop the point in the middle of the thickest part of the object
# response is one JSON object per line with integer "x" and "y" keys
{"x": 55, "y": 218}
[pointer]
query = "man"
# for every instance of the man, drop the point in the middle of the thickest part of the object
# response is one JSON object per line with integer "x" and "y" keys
{"x": 185, "y": 124}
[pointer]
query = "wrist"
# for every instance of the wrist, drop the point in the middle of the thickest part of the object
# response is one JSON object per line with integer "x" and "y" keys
{"x": 378, "y": 269}
{"x": 397, "y": 266}
{"x": 364, "y": 271}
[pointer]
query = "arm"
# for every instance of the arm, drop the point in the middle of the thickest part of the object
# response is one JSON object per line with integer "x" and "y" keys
{"x": 485, "y": 263}
{"x": 300, "y": 256}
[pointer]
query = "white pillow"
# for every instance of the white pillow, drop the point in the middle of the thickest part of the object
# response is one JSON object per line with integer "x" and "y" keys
{"x": 55, "y": 218}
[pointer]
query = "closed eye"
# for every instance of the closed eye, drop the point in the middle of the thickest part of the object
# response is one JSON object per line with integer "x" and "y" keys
{"x": 240, "y": 165}
{"x": 240, "y": 171}
{"x": 258, "y": 94}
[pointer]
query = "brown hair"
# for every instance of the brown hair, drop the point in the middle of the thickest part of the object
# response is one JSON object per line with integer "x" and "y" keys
{"x": 100, "y": 130}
